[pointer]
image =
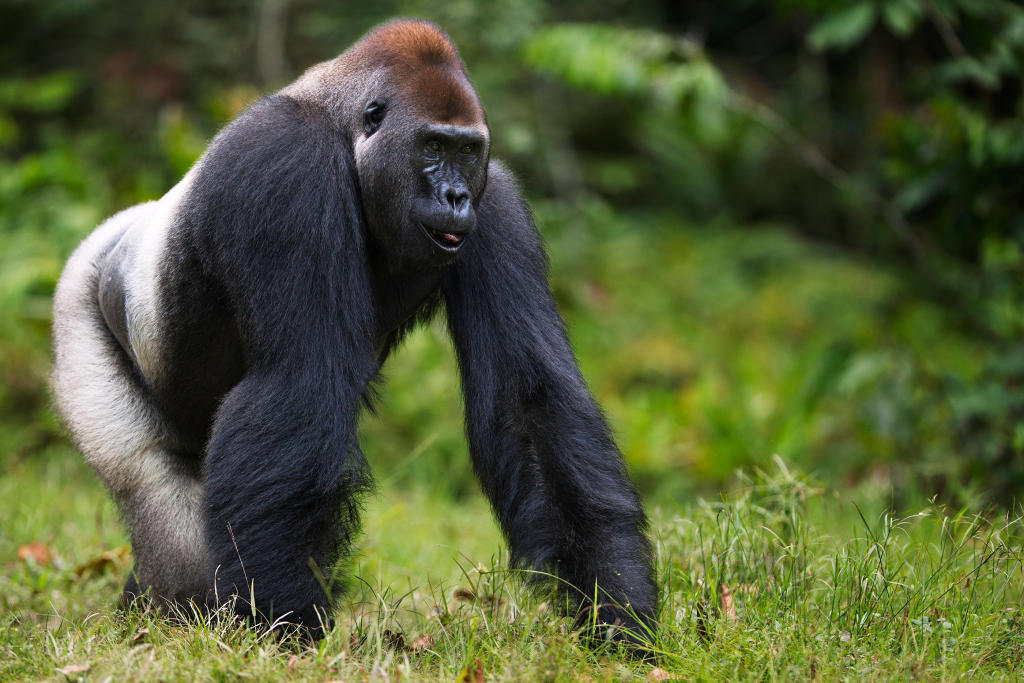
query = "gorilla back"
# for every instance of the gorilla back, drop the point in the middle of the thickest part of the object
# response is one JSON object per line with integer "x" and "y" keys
{"x": 212, "y": 348}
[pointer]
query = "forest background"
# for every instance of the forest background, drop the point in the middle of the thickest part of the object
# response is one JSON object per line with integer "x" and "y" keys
{"x": 786, "y": 236}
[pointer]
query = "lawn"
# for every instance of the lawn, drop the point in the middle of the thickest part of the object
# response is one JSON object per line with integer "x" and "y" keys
{"x": 782, "y": 579}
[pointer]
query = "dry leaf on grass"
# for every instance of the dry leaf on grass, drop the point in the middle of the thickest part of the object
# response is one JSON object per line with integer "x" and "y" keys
{"x": 472, "y": 674}
{"x": 464, "y": 594}
{"x": 295, "y": 661}
{"x": 392, "y": 640}
{"x": 115, "y": 558}
{"x": 72, "y": 669}
{"x": 424, "y": 642}
{"x": 36, "y": 552}
{"x": 725, "y": 601}
{"x": 140, "y": 636}
{"x": 657, "y": 674}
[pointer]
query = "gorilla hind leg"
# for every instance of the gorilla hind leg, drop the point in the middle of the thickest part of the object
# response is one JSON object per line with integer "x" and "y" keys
{"x": 163, "y": 514}
{"x": 117, "y": 428}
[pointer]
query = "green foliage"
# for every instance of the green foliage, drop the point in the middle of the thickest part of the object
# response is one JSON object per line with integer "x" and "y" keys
{"x": 990, "y": 425}
{"x": 934, "y": 167}
{"x": 620, "y": 61}
{"x": 844, "y": 27}
{"x": 47, "y": 94}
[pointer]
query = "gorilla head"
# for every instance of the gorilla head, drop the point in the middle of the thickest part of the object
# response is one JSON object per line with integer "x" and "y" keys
{"x": 419, "y": 135}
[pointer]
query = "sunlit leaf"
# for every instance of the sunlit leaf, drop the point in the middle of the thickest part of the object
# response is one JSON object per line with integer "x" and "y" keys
{"x": 901, "y": 16}
{"x": 843, "y": 28}
{"x": 970, "y": 69}
{"x": 618, "y": 61}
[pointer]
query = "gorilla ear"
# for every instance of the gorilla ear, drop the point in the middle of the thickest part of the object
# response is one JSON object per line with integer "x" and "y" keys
{"x": 372, "y": 116}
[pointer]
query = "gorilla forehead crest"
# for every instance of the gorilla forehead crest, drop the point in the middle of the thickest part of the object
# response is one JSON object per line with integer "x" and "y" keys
{"x": 423, "y": 62}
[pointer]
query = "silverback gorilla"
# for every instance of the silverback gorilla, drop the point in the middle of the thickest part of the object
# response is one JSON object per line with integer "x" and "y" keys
{"x": 213, "y": 347}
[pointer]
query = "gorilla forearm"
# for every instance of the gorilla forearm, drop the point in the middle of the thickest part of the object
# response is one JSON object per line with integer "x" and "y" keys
{"x": 540, "y": 446}
{"x": 283, "y": 471}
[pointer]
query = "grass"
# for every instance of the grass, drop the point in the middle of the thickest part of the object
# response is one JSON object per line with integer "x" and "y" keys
{"x": 780, "y": 580}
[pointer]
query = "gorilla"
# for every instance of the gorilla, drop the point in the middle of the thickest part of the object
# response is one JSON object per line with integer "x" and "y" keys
{"x": 213, "y": 348}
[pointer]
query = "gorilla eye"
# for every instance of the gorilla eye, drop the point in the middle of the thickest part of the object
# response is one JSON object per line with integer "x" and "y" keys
{"x": 468, "y": 149}
{"x": 432, "y": 150}
{"x": 372, "y": 116}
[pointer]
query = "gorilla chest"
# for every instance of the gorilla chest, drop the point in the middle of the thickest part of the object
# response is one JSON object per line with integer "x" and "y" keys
{"x": 398, "y": 297}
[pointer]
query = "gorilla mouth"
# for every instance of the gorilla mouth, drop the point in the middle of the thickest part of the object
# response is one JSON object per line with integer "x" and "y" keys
{"x": 448, "y": 241}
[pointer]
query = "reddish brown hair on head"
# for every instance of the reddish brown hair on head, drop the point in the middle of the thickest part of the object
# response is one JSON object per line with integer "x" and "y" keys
{"x": 410, "y": 41}
{"x": 426, "y": 66}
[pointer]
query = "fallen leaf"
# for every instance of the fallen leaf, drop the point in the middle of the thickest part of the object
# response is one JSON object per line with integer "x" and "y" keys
{"x": 140, "y": 635}
{"x": 473, "y": 674}
{"x": 618, "y": 672}
{"x": 725, "y": 601}
{"x": 392, "y": 640}
{"x": 464, "y": 595}
{"x": 295, "y": 660}
{"x": 114, "y": 558}
{"x": 845, "y": 636}
{"x": 424, "y": 642}
{"x": 72, "y": 669}
{"x": 35, "y": 552}
{"x": 657, "y": 674}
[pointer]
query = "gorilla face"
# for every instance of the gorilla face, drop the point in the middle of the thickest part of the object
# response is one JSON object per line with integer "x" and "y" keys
{"x": 450, "y": 169}
{"x": 421, "y": 178}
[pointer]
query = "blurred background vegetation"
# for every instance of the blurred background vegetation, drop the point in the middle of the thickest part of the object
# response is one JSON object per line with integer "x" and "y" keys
{"x": 789, "y": 227}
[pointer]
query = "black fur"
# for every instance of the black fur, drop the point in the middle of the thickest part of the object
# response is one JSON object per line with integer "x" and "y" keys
{"x": 539, "y": 443}
{"x": 275, "y": 224}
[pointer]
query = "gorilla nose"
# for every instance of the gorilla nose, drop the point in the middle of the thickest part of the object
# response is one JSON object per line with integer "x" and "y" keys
{"x": 458, "y": 201}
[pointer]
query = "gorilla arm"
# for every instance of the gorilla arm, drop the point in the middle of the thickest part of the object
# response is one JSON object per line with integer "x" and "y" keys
{"x": 275, "y": 215}
{"x": 540, "y": 446}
